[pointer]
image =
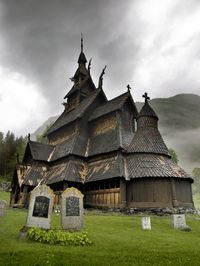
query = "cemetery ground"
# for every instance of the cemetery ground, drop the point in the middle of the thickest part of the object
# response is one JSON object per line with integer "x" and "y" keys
{"x": 117, "y": 240}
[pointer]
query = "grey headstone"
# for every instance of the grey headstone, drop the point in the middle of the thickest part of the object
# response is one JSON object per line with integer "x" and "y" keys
{"x": 146, "y": 223}
{"x": 2, "y": 207}
{"x": 40, "y": 207}
{"x": 72, "y": 209}
{"x": 178, "y": 221}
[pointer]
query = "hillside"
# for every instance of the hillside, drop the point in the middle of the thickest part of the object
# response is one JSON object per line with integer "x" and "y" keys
{"x": 179, "y": 123}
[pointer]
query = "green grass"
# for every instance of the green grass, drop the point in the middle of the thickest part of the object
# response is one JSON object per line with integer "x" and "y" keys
{"x": 5, "y": 196}
{"x": 117, "y": 240}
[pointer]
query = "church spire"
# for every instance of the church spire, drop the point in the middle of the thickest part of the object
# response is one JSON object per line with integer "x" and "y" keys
{"x": 81, "y": 43}
{"x": 82, "y": 59}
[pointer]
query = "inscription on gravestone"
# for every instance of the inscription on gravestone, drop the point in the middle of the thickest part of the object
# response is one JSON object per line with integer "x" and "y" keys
{"x": 146, "y": 223}
{"x": 41, "y": 207}
{"x": 72, "y": 206}
{"x": 178, "y": 221}
{"x": 72, "y": 209}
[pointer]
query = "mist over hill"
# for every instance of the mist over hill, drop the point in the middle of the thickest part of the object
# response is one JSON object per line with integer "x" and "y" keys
{"x": 179, "y": 124}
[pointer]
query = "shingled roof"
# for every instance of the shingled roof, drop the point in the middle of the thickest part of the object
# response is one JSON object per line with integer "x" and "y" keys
{"x": 87, "y": 82}
{"x": 147, "y": 110}
{"x": 67, "y": 117}
{"x": 103, "y": 143}
{"x": 34, "y": 174}
{"x": 69, "y": 171}
{"x": 110, "y": 106}
{"x": 76, "y": 145}
{"x": 149, "y": 165}
{"x": 104, "y": 169}
{"x": 39, "y": 151}
{"x": 148, "y": 140}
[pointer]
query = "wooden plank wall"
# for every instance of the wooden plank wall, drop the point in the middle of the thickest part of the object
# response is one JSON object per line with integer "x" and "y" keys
{"x": 104, "y": 197}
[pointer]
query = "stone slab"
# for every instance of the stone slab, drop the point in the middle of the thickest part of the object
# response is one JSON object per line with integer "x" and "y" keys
{"x": 178, "y": 221}
{"x": 146, "y": 223}
{"x": 72, "y": 209}
{"x": 40, "y": 207}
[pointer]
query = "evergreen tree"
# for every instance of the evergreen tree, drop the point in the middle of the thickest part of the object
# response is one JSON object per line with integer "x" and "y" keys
{"x": 10, "y": 146}
{"x": 174, "y": 155}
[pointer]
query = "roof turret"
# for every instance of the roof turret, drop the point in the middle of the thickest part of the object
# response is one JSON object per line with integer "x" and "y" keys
{"x": 147, "y": 138}
{"x": 147, "y": 109}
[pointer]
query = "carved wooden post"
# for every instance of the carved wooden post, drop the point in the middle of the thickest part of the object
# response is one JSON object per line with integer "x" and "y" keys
{"x": 123, "y": 193}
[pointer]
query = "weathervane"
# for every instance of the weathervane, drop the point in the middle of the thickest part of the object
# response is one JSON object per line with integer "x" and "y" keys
{"x": 146, "y": 97}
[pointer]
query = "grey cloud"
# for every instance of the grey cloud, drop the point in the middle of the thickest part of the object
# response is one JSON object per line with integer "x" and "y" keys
{"x": 42, "y": 39}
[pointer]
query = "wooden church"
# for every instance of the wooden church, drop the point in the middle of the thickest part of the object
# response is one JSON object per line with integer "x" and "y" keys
{"x": 105, "y": 148}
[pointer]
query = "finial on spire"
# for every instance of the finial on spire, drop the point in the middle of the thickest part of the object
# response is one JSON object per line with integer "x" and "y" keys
{"x": 128, "y": 87}
{"x": 81, "y": 42}
{"x": 82, "y": 59}
{"x": 146, "y": 97}
{"x": 89, "y": 65}
{"x": 101, "y": 77}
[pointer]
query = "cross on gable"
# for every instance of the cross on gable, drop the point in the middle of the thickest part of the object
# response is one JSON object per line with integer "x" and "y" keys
{"x": 146, "y": 97}
{"x": 128, "y": 87}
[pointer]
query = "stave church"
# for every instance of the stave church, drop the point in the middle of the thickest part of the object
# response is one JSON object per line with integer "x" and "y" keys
{"x": 112, "y": 153}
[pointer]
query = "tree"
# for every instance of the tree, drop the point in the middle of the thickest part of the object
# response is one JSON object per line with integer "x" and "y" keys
{"x": 10, "y": 146}
{"x": 174, "y": 156}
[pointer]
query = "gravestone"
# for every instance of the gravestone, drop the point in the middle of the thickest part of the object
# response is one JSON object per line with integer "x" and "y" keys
{"x": 40, "y": 207}
{"x": 2, "y": 207}
{"x": 72, "y": 209}
{"x": 178, "y": 221}
{"x": 146, "y": 223}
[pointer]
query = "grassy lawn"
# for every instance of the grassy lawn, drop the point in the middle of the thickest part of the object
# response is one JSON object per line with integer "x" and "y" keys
{"x": 117, "y": 240}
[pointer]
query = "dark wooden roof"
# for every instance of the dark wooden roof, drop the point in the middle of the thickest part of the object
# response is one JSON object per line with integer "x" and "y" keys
{"x": 39, "y": 151}
{"x": 105, "y": 168}
{"x": 67, "y": 117}
{"x": 152, "y": 165}
{"x": 110, "y": 106}
{"x": 34, "y": 175}
{"x": 69, "y": 171}
{"x": 148, "y": 140}
{"x": 104, "y": 143}
{"x": 86, "y": 83}
{"x": 147, "y": 110}
{"x": 74, "y": 145}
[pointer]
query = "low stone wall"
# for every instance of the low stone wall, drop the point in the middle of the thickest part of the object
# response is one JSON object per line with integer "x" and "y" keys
{"x": 155, "y": 211}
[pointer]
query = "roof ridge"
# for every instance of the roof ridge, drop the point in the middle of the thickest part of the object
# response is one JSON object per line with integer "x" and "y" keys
{"x": 117, "y": 104}
{"x": 75, "y": 113}
{"x": 40, "y": 143}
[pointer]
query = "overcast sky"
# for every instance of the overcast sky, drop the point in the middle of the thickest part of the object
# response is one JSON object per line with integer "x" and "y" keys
{"x": 152, "y": 45}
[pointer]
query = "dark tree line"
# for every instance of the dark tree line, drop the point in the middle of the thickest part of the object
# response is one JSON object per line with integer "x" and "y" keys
{"x": 10, "y": 146}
